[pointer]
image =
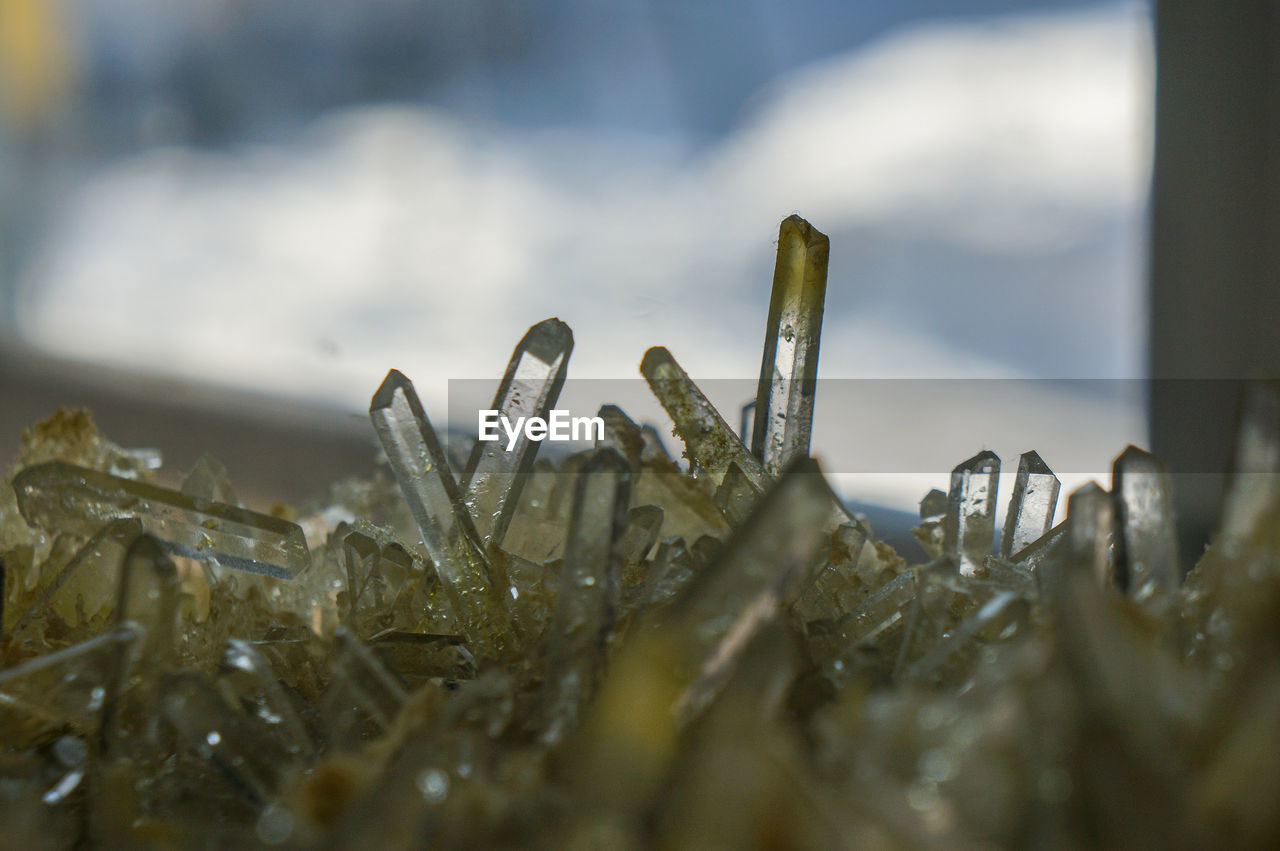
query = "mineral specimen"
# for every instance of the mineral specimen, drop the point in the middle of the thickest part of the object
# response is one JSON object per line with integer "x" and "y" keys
{"x": 612, "y": 649}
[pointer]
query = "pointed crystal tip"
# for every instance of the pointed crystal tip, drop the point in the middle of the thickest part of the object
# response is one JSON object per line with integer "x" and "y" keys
{"x": 934, "y": 504}
{"x": 656, "y": 357}
{"x": 985, "y": 461}
{"x": 807, "y": 233}
{"x": 386, "y": 392}
{"x": 1034, "y": 464}
{"x": 547, "y": 340}
{"x": 1135, "y": 459}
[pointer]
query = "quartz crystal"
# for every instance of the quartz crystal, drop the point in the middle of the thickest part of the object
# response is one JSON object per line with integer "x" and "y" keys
{"x": 969, "y": 524}
{"x": 709, "y": 442}
{"x": 789, "y": 370}
{"x": 67, "y": 497}
{"x": 587, "y": 602}
{"x": 495, "y": 475}
{"x": 1035, "y": 496}
{"x": 1146, "y": 543}
{"x": 651, "y": 654}
{"x": 448, "y": 533}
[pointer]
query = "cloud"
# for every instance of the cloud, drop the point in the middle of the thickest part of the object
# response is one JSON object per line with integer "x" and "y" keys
{"x": 950, "y": 163}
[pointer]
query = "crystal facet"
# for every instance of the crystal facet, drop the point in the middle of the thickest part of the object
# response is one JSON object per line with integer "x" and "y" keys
{"x": 1146, "y": 542}
{"x": 651, "y": 656}
{"x": 586, "y": 606}
{"x": 1031, "y": 507}
{"x": 969, "y": 525}
{"x": 77, "y": 499}
{"x": 495, "y": 474}
{"x": 709, "y": 442}
{"x": 789, "y": 370}
{"x": 420, "y": 466}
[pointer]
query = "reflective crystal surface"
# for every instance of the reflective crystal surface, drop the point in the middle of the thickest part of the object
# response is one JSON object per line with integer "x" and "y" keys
{"x": 789, "y": 369}
{"x": 448, "y": 534}
{"x": 651, "y": 655}
{"x": 968, "y": 528}
{"x": 1146, "y": 540}
{"x": 1031, "y": 507}
{"x": 75, "y": 499}
{"x": 495, "y": 475}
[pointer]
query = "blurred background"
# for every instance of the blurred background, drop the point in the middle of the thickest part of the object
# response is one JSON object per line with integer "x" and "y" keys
{"x": 222, "y": 221}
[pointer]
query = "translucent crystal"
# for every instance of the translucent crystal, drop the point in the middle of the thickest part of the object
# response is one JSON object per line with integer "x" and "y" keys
{"x": 746, "y": 421}
{"x": 1031, "y": 506}
{"x": 80, "y": 500}
{"x": 688, "y": 511}
{"x": 219, "y": 734}
{"x": 836, "y": 588}
{"x": 789, "y": 369}
{"x": 736, "y": 495}
{"x": 149, "y": 597}
{"x": 363, "y": 697}
{"x": 929, "y": 534}
{"x": 208, "y": 480}
{"x": 419, "y": 656}
{"x": 644, "y": 523}
{"x": 763, "y": 566}
{"x": 969, "y": 526}
{"x": 709, "y": 442}
{"x": 586, "y": 607}
{"x": 247, "y": 681}
{"x": 998, "y": 619}
{"x": 651, "y": 656}
{"x": 387, "y": 588}
{"x": 875, "y": 626}
{"x": 495, "y": 475}
{"x": 1089, "y": 533}
{"x": 1146, "y": 540}
{"x": 451, "y": 540}
{"x": 653, "y": 445}
{"x": 672, "y": 568}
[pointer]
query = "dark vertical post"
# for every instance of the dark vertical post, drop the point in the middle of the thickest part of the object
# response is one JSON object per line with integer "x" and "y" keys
{"x": 1215, "y": 237}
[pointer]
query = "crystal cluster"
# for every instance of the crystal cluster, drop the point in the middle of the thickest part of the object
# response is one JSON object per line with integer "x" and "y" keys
{"x": 622, "y": 650}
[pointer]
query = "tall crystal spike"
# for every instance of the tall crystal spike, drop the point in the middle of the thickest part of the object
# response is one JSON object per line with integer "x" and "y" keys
{"x": 1031, "y": 507}
{"x": 761, "y": 568}
{"x": 709, "y": 441}
{"x": 789, "y": 369}
{"x": 1090, "y": 529}
{"x": 530, "y": 387}
{"x": 1253, "y": 485}
{"x": 149, "y": 596}
{"x": 57, "y": 495}
{"x": 586, "y": 606}
{"x": 1146, "y": 539}
{"x": 746, "y": 421}
{"x": 969, "y": 526}
{"x": 419, "y": 463}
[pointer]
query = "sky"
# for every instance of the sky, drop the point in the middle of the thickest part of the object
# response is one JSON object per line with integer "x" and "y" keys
{"x": 983, "y": 182}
